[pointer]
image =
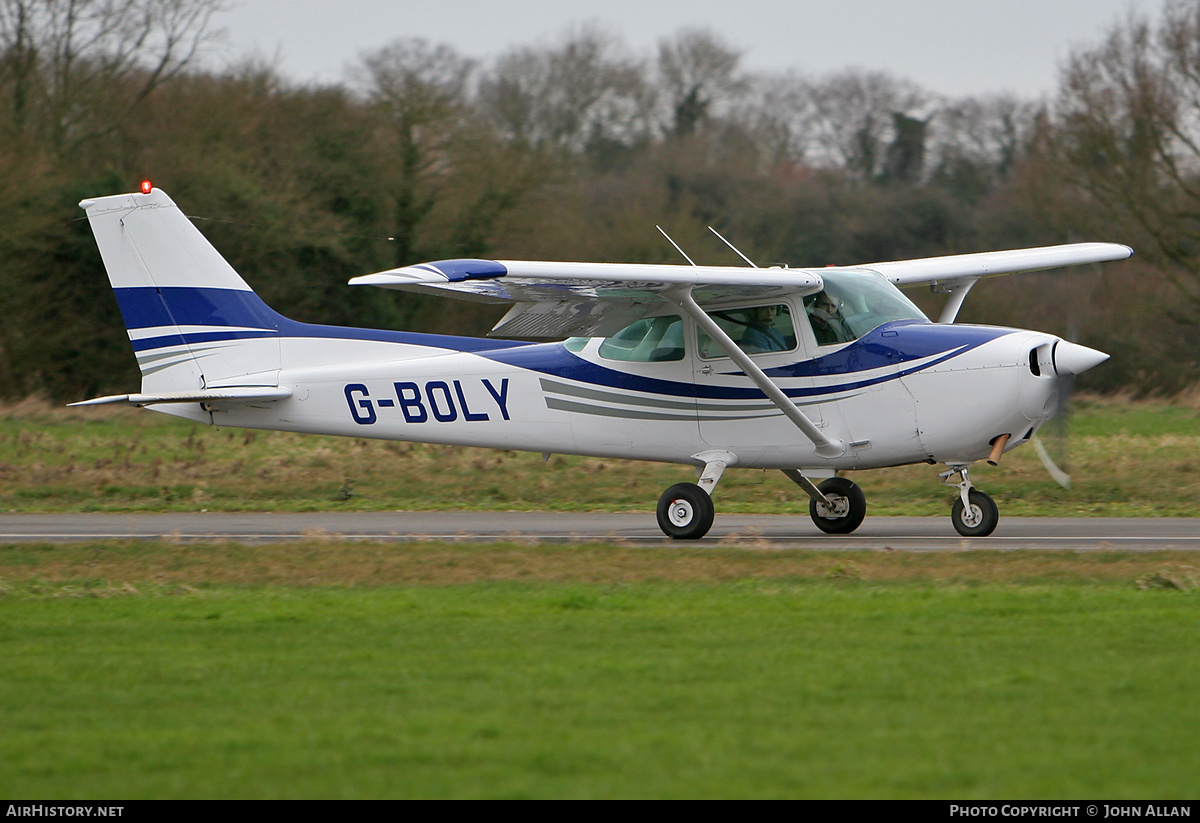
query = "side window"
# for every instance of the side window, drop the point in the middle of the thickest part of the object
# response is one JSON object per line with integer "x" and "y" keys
{"x": 756, "y": 330}
{"x": 649, "y": 340}
{"x": 826, "y": 312}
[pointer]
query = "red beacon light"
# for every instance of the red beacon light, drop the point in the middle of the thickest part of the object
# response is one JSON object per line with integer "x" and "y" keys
{"x": 147, "y": 187}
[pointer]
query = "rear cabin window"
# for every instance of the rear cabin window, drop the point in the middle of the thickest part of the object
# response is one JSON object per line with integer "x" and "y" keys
{"x": 645, "y": 341}
{"x": 756, "y": 330}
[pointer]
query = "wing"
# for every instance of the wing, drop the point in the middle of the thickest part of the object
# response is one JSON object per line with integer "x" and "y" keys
{"x": 993, "y": 263}
{"x": 598, "y": 299}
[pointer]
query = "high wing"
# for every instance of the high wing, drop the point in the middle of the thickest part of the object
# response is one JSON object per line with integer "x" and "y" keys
{"x": 554, "y": 299}
{"x": 957, "y": 273}
{"x": 993, "y": 263}
{"x": 594, "y": 299}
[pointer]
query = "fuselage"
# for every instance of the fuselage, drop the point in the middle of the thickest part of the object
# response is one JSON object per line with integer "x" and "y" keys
{"x": 906, "y": 392}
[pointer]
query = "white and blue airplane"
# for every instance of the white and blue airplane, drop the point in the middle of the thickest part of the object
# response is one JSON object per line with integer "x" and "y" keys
{"x": 809, "y": 371}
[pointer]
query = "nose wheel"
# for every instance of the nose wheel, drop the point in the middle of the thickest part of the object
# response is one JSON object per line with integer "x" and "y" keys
{"x": 978, "y": 519}
{"x": 974, "y": 513}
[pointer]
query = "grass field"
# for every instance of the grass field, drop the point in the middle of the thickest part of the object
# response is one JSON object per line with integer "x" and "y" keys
{"x": 334, "y": 669}
{"x": 1127, "y": 458}
{"x": 356, "y": 670}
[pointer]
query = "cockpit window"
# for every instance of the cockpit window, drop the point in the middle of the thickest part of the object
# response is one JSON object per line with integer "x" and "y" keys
{"x": 853, "y": 303}
{"x": 756, "y": 330}
{"x": 649, "y": 340}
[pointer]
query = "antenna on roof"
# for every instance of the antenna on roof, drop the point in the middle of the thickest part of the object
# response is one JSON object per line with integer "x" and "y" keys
{"x": 727, "y": 243}
{"x": 676, "y": 245}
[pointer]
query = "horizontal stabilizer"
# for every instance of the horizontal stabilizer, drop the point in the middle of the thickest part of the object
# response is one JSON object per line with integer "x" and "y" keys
{"x": 235, "y": 394}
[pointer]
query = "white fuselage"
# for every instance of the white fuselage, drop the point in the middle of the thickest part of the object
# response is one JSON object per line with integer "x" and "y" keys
{"x": 904, "y": 393}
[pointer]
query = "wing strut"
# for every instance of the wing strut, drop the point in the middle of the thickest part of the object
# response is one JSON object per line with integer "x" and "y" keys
{"x": 958, "y": 293}
{"x": 826, "y": 447}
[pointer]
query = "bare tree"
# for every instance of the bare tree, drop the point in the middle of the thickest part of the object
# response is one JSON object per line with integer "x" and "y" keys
{"x": 697, "y": 70}
{"x": 1129, "y": 132}
{"x": 577, "y": 94}
{"x": 854, "y": 118}
{"x": 975, "y": 143}
{"x": 73, "y": 69}
{"x": 420, "y": 93}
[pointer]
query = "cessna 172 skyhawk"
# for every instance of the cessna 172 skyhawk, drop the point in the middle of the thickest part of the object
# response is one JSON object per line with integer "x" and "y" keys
{"x": 810, "y": 371}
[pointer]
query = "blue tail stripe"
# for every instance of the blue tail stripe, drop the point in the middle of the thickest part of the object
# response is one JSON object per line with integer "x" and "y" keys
{"x": 148, "y": 307}
{"x": 150, "y": 343}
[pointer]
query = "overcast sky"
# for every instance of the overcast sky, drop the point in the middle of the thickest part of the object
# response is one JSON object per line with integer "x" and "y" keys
{"x": 956, "y": 47}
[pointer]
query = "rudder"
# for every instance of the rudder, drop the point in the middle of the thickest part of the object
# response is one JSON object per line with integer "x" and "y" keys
{"x": 193, "y": 321}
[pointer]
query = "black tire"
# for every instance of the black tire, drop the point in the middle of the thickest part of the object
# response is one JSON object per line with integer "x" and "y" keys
{"x": 848, "y": 509}
{"x": 685, "y": 512}
{"x": 984, "y": 515}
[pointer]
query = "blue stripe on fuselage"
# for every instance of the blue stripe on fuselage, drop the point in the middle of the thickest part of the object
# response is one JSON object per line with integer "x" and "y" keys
{"x": 249, "y": 317}
{"x": 891, "y": 344}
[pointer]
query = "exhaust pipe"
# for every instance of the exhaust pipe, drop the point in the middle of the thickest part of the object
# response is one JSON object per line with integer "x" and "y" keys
{"x": 998, "y": 448}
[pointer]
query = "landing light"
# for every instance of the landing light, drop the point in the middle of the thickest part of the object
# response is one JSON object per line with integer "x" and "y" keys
{"x": 147, "y": 187}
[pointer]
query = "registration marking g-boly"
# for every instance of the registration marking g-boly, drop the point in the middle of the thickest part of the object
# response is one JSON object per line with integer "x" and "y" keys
{"x": 434, "y": 400}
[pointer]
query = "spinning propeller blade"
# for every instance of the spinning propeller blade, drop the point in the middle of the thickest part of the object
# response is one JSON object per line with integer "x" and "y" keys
{"x": 1070, "y": 359}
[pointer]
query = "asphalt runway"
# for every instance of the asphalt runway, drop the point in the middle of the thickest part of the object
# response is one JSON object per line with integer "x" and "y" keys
{"x": 640, "y": 529}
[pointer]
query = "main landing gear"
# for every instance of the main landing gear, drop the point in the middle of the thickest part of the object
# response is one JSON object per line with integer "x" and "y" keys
{"x": 837, "y": 506}
{"x": 843, "y": 509}
{"x": 974, "y": 513}
{"x": 685, "y": 511}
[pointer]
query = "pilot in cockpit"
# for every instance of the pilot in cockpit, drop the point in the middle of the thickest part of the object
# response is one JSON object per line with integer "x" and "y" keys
{"x": 828, "y": 322}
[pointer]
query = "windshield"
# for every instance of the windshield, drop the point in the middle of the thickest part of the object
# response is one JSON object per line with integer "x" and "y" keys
{"x": 854, "y": 302}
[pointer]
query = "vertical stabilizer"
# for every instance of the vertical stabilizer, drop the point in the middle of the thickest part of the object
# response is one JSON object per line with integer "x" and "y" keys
{"x": 193, "y": 321}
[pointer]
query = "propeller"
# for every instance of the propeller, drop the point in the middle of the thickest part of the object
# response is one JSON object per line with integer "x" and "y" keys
{"x": 1068, "y": 359}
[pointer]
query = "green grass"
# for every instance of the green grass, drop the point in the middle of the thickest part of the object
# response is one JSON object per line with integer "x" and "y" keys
{"x": 1127, "y": 459}
{"x": 140, "y": 670}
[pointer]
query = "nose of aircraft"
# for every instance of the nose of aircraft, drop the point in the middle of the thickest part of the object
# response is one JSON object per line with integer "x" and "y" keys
{"x": 1072, "y": 358}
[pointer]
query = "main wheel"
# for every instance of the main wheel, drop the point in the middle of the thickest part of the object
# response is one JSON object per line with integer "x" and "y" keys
{"x": 977, "y": 520}
{"x": 685, "y": 512}
{"x": 845, "y": 510}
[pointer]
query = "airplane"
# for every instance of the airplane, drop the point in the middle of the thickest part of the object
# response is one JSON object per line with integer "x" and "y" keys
{"x": 811, "y": 371}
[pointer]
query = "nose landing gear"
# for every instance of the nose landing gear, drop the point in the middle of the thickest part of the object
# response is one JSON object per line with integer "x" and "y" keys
{"x": 974, "y": 513}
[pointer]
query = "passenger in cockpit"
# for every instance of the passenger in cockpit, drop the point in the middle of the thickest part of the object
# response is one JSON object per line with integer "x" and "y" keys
{"x": 761, "y": 334}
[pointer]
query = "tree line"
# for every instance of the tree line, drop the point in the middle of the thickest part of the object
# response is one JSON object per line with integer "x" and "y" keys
{"x": 575, "y": 150}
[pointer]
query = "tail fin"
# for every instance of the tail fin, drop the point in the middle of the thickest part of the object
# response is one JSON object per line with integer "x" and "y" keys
{"x": 194, "y": 323}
